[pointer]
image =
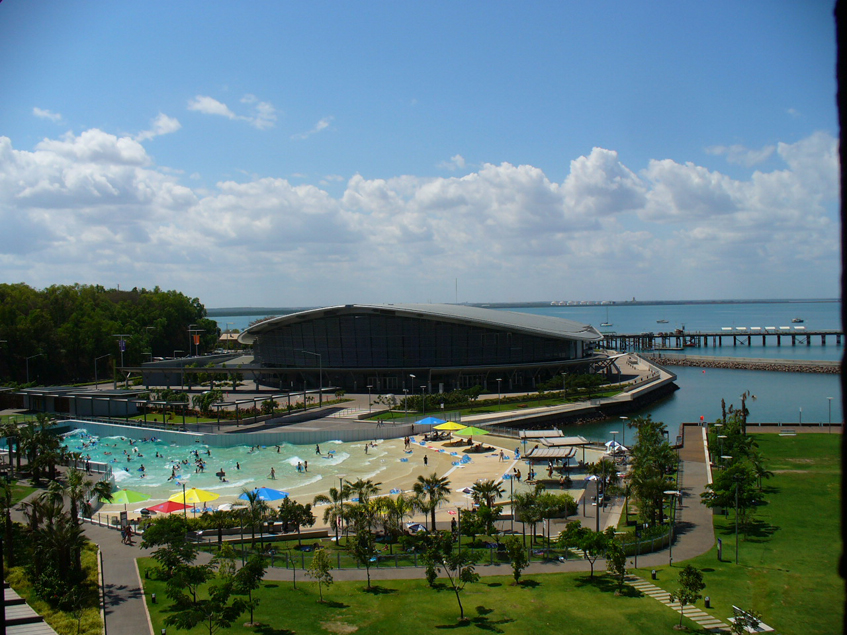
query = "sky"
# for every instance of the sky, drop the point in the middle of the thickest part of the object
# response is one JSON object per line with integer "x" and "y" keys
{"x": 279, "y": 153}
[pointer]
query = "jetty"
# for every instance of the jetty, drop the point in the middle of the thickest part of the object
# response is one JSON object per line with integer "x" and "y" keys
{"x": 727, "y": 336}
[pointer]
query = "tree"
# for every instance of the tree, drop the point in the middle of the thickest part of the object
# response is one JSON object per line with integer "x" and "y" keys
{"x": 297, "y": 514}
{"x": 215, "y": 611}
{"x": 459, "y": 566}
{"x": 319, "y": 570}
{"x": 690, "y": 585}
{"x": 334, "y": 512}
{"x": 248, "y": 578}
{"x": 170, "y": 535}
{"x": 256, "y": 509}
{"x": 431, "y": 491}
{"x": 364, "y": 551}
{"x": 594, "y": 544}
{"x": 616, "y": 562}
{"x": 518, "y": 557}
{"x": 203, "y": 402}
{"x": 486, "y": 492}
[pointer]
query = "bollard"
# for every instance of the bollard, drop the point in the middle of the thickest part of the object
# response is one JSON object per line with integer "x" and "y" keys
{"x": 653, "y": 574}
{"x": 708, "y": 602}
{"x": 153, "y": 598}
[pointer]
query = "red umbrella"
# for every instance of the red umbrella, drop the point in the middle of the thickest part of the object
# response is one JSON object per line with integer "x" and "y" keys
{"x": 167, "y": 507}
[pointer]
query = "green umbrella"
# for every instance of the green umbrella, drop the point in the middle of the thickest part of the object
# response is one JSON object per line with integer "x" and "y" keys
{"x": 125, "y": 497}
{"x": 471, "y": 432}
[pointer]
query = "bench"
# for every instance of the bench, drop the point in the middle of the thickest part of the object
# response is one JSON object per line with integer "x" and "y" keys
{"x": 750, "y": 622}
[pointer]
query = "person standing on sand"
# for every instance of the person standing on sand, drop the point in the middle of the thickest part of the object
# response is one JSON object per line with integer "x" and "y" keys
{"x": 426, "y": 460}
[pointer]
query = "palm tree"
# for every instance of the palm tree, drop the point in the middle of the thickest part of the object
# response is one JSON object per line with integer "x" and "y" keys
{"x": 487, "y": 492}
{"x": 6, "y": 504}
{"x": 78, "y": 491}
{"x": 256, "y": 509}
{"x": 363, "y": 490}
{"x": 335, "y": 512}
{"x": 431, "y": 491}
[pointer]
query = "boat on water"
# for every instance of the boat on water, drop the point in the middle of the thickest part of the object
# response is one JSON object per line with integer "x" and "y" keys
{"x": 606, "y": 323}
{"x": 661, "y": 321}
{"x": 797, "y": 320}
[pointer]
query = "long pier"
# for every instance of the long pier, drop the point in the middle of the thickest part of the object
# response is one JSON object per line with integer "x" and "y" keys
{"x": 729, "y": 336}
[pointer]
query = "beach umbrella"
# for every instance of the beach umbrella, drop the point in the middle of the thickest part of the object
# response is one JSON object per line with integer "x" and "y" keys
{"x": 430, "y": 421}
{"x": 471, "y": 431}
{"x": 266, "y": 494}
{"x": 167, "y": 507}
{"x": 194, "y": 496}
{"x": 450, "y": 425}
{"x": 125, "y": 497}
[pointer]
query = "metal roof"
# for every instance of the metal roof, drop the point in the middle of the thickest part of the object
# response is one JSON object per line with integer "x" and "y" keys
{"x": 540, "y": 434}
{"x": 551, "y": 453}
{"x": 539, "y": 325}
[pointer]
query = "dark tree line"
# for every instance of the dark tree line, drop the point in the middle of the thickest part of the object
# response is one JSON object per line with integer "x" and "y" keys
{"x": 63, "y": 329}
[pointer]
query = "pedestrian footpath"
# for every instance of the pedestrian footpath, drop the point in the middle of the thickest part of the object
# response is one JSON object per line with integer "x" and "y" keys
{"x": 690, "y": 611}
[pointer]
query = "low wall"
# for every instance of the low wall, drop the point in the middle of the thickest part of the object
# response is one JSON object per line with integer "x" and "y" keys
{"x": 295, "y": 436}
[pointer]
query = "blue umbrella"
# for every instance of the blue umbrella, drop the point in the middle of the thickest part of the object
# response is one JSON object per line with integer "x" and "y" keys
{"x": 431, "y": 421}
{"x": 266, "y": 494}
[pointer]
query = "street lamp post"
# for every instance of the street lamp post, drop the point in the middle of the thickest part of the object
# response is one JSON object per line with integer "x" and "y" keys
{"x": 801, "y": 416}
{"x": 624, "y": 421}
{"x": 27, "y": 364}
{"x": 564, "y": 388}
{"x": 229, "y": 332}
{"x": 673, "y": 494}
{"x": 423, "y": 402}
{"x": 499, "y": 380}
{"x": 405, "y": 402}
{"x": 320, "y": 377}
{"x": 96, "y": 359}
{"x": 369, "y": 398}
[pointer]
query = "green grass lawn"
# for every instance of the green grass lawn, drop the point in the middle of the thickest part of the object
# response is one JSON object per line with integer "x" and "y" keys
{"x": 787, "y": 567}
{"x": 569, "y": 603}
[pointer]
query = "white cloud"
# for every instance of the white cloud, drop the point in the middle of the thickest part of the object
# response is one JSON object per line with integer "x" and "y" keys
{"x": 83, "y": 204}
{"x": 263, "y": 115}
{"x": 46, "y": 114}
{"x": 322, "y": 125}
{"x": 210, "y": 106}
{"x": 740, "y": 155}
{"x": 456, "y": 162}
{"x": 161, "y": 125}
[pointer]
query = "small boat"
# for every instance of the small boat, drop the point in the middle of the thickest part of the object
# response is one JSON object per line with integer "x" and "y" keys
{"x": 797, "y": 320}
{"x": 661, "y": 321}
{"x": 607, "y": 323}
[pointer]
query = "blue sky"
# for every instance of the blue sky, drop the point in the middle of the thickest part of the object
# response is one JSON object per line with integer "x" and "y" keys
{"x": 280, "y": 153}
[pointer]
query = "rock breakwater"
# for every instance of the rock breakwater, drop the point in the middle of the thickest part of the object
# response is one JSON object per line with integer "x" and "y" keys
{"x": 783, "y": 366}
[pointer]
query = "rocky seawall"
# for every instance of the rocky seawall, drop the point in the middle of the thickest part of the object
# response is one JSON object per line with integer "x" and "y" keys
{"x": 736, "y": 363}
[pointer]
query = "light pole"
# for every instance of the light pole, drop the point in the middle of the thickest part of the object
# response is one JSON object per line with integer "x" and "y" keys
{"x": 499, "y": 380}
{"x": 423, "y": 401}
{"x": 564, "y": 388}
{"x": 721, "y": 437}
{"x": 96, "y": 359}
{"x": 190, "y": 338}
{"x": 229, "y": 332}
{"x": 737, "y": 479}
{"x": 413, "y": 382}
{"x": 320, "y": 377}
{"x": 673, "y": 494}
{"x": 405, "y": 402}
{"x": 512, "y": 503}
{"x": 624, "y": 422}
{"x": 829, "y": 399}
{"x": 122, "y": 347}
{"x": 193, "y": 334}
{"x": 369, "y": 398}
{"x": 801, "y": 416}
{"x": 27, "y": 364}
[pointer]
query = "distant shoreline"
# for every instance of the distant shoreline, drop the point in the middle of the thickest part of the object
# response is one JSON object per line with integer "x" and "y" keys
{"x": 530, "y": 305}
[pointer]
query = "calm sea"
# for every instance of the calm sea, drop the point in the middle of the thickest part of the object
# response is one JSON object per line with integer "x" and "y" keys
{"x": 780, "y": 397}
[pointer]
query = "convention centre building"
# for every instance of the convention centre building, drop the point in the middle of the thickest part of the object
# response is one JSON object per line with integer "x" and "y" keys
{"x": 396, "y": 348}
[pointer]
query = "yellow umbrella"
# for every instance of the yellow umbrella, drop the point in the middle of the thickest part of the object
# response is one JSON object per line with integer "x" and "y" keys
{"x": 193, "y": 496}
{"x": 450, "y": 425}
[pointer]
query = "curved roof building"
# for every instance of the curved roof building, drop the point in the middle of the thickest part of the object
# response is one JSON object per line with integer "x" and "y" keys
{"x": 443, "y": 346}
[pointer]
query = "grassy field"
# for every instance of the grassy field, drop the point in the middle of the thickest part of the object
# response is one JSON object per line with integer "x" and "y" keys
{"x": 787, "y": 567}
{"x": 545, "y": 604}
